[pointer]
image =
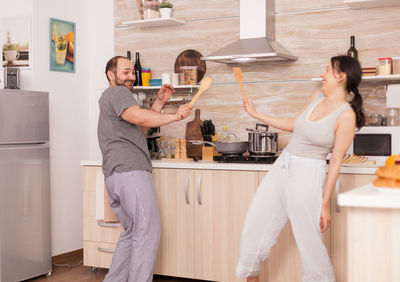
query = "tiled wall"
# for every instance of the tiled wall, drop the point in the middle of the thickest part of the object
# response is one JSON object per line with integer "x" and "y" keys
{"x": 312, "y": 30}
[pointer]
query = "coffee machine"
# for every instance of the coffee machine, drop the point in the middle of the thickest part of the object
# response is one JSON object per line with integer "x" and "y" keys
{"x": 11, "y": 78}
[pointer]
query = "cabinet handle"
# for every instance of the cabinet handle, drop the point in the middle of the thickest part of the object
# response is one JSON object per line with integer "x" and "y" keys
{"x": 187, "y": 189}
{"x": 199, "y": 190}
{"x": 105, "y": 250}
{"x": 105, "y": 224}
{"x": 337, "y": 190}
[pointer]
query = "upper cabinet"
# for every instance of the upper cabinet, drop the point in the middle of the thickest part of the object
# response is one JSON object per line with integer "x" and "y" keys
{"x": 358, "y": 4}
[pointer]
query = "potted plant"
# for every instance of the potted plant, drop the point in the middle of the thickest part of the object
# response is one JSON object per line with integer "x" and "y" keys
{"x": 165, "y": 9}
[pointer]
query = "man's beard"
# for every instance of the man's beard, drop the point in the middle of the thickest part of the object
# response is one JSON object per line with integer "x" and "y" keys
{"x": 127, "y": 83}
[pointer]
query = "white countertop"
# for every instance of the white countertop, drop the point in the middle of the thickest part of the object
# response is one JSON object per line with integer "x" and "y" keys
{"x": 368, "y": 196}
{"x": 231, "y": 166}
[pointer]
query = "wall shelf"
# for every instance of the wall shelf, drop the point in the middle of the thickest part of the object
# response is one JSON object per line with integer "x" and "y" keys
{"x": 360, "y": 4}
{"x": 154, "y": 89}
{"x": 384, "y": 79}
{"x": 151, "y": 23}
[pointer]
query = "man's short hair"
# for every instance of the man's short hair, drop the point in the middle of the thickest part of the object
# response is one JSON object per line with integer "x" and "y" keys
{"x": 112, "y": 65}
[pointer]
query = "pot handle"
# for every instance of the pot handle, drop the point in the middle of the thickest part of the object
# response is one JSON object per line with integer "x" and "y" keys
{"x": 262, "y": 125}
{"x": 199, "y": 142}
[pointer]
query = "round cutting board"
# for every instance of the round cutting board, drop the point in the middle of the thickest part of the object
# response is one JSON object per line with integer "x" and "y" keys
{"x": 191, "y": 57}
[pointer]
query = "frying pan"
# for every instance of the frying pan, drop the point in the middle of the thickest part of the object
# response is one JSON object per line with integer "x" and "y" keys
{"x": 226, "y": 148}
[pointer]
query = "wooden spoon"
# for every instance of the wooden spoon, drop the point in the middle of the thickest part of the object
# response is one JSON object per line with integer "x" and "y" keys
{"x": 205, "y": 83}
{"x": 239, "y": 77}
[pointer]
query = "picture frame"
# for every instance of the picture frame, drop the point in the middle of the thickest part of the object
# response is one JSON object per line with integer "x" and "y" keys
{"x": 62, "y": 45}
{"x": 16, "y": 42}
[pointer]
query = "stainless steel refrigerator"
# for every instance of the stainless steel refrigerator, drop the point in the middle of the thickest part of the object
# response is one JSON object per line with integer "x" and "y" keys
{"x": 25, "y": 234}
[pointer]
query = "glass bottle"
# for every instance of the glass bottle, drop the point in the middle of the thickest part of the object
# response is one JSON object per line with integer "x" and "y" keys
{"x": 138, "y": 71}
{"x": 352, "y": 52}
{"x": 128, "y": 55}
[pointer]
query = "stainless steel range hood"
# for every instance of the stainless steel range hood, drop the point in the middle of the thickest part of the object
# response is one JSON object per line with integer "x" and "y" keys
{"x": 257, "y": 37}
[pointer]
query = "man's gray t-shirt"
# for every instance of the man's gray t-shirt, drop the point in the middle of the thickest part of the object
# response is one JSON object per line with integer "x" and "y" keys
{"x": 122, "y": 144}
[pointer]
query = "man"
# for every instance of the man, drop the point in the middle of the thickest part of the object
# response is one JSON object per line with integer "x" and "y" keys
{"x": 127, "y": 170}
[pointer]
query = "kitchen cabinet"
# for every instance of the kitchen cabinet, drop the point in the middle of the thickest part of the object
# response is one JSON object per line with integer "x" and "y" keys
{"x": 202, "y": 213}
{"x": 338, "y": 229}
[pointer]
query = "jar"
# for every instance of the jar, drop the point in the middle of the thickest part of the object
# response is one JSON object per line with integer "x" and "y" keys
{"x": 385, "y": 66}
{"x": 146, "y": 76}
{"x": 188, "y": 75}
{"x": 392, "y": 117}
{"x": 396, "y": 65}
{"x": 151, "y": 10}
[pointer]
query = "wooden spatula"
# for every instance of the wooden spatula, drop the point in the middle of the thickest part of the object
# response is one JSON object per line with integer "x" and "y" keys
{"x": 239, "y": 77}
{"x": 205, "y": 83}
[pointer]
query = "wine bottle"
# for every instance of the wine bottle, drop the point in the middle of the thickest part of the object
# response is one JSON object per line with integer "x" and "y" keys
{"x": 352, "y": 52}
{"x": 128, "y": 55}
{"x": 138, "y": 71}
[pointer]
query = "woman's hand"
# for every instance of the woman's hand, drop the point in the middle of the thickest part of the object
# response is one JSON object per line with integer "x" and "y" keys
{"x": 325, "y": 218}
{"x": 248, "y": 106}
{"x": 165, "y": 93}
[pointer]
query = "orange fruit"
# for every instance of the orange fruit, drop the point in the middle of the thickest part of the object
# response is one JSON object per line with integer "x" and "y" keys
{"x": 393, "y": 159}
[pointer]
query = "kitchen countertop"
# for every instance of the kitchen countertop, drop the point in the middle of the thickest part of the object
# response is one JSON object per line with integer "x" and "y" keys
{"x": 368, "y": 196}
{"x": 231, "y": 166}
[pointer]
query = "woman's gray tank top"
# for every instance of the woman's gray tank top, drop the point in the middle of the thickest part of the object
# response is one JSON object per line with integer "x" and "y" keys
{"x": 314, "y": 139}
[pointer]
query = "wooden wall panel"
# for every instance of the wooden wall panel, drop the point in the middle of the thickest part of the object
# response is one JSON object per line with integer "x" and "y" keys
{"x": 312, "y": 32}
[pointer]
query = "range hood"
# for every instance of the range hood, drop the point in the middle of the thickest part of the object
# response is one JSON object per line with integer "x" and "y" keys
{"x": 257, "y": 37}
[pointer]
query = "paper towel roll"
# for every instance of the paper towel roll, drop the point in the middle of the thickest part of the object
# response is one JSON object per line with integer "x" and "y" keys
{"x": 393, "y": 96}
{"x": 166, "y": 78}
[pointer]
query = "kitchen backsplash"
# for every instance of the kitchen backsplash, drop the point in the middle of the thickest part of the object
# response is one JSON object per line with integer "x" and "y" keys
{"x": 313, "y": 33}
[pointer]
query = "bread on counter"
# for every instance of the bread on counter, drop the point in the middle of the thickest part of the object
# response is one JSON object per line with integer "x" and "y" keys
{"x": 355, "y": 159}
{"x": 388, "y": 176}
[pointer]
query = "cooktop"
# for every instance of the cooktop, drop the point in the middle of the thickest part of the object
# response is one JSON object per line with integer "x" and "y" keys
{"x": 269, "y": 159}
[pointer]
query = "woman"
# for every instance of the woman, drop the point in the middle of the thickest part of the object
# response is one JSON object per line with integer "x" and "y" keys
{"x": 297, "y": 188}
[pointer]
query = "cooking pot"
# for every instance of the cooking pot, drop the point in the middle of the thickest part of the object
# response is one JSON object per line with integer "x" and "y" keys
{"x": 226, "y": 148}
{"x": 262, "y": 142}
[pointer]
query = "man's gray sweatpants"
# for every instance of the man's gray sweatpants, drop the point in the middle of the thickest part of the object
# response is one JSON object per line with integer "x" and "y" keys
{"x": 134, "y": 200}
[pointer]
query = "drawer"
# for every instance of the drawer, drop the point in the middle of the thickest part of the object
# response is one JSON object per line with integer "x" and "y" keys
{"x": 98, "y": 254}
{"x": 99, "y": 231}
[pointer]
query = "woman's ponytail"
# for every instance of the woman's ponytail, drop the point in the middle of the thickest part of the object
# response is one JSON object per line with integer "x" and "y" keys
{"x": 352, "y": 68}
{"x": 357, "y": 105}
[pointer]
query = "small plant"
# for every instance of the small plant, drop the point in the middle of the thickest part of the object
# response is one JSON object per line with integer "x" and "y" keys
{"x": 166, "y": 5}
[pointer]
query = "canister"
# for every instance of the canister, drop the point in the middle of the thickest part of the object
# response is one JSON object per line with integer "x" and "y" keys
{"x": 188, "y": 75}
{"x": 151, "y": 10}
{"x": 396, "y": 65}
{"x": 385, "y": 66}
{"x": 146, "y": 76}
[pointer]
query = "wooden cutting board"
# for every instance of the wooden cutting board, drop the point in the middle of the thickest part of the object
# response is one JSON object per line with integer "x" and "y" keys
{"x": 193, "y": 132}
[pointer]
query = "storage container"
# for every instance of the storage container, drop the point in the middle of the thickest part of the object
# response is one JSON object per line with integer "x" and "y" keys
{"x": 146, "y": 76}
{"x": 151, "y": 10}
{"x": 396, "y": 65}
{"x": 385, "y": 66}
{"x": 188, "y": 75}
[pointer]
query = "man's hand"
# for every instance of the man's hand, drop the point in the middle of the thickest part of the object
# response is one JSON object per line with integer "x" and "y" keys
{"x": 165, "y": 93}
{"x": 183, "y": 111}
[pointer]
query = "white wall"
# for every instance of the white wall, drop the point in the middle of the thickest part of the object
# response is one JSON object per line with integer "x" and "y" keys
{"x": 73, "y": 102}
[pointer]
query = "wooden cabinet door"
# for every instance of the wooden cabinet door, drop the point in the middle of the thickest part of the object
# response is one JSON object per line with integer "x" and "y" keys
{"x": 222, "y": 199}
{"x": 339, "y": 224}
{"x": 176, "y": 202}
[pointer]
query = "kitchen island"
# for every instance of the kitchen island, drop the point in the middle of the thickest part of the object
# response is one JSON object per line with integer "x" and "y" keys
{"x": 373, "y": 232}
{"x": 203, "y": 205}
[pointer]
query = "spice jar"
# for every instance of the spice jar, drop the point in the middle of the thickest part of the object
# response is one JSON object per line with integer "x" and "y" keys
{"x": 396, "y": 65}
{"x": 188, "y": 75}
{"x": 146, "y": 76}
{"x": 151, "y": 10}
{"x": 385, "y": 66}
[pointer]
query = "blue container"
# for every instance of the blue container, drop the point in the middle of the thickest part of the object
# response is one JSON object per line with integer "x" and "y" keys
{"x": 155, "y": 82}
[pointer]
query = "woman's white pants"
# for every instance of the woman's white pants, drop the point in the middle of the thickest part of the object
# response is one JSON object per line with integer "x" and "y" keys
{"x": 292, "y": 190}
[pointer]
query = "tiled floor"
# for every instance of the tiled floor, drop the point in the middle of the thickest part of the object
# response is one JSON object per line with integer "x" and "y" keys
{"x": 83, "y": 274}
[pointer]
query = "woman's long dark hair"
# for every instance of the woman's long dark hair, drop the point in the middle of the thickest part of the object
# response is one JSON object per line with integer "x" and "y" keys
{"x": 352, "y": 68}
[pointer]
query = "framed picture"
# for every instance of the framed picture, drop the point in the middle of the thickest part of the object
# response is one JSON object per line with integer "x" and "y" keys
{"x": 62, "y": 45}
{"x": 15, "y": 42}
